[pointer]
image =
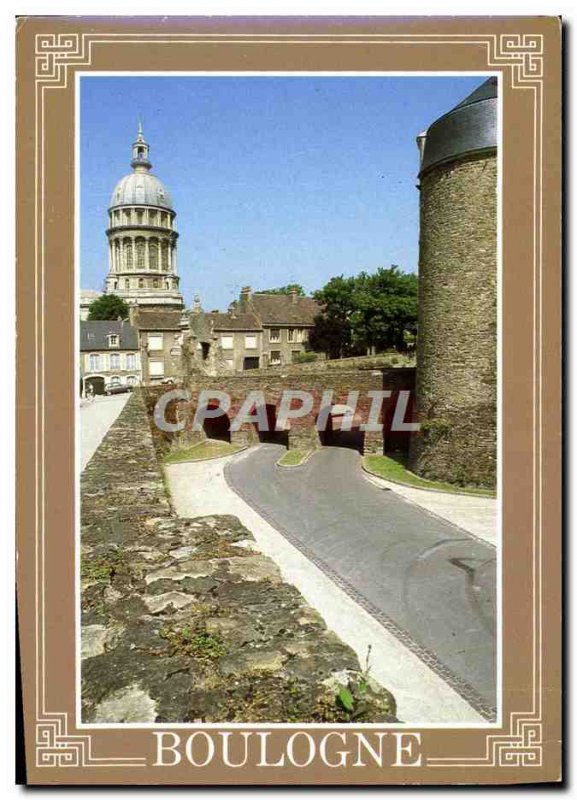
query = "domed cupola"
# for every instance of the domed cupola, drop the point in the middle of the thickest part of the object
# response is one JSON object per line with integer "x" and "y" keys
{"x": 142, "y": 236}
{"x": 140, "y": 187}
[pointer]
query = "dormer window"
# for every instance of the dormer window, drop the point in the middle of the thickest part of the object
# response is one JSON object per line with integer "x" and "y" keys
{"x": 113, "y": 340}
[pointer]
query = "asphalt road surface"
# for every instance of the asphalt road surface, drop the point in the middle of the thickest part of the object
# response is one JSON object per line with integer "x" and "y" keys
{"x": 434, "y": 582}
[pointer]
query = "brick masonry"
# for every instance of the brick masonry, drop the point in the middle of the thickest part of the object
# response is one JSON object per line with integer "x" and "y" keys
{"x": 456, "y": 349}
{"x": 303, "y": 432}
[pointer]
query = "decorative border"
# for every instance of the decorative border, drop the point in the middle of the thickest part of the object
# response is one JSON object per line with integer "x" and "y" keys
{"x": 523, "y": 55}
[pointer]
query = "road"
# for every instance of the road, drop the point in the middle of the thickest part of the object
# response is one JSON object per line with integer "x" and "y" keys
{"x": 96, "y": 417}
{"x": 430, "y": 582}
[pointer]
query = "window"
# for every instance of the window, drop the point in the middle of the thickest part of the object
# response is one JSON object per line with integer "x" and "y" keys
{"x": 274, "y": 335}
{"x": 128, "y": 254}
{"x": 275, "y": 358}
{"x": 130, "y": 361}
{"x": 94, "y": 362}
{"x": 229, "y": 363}
{"x": 115, "y": 381}
{"x": 227, "y": 342}
{"x": 131, "y": 380}
{"x": 304, "y": 335}
{"x": 140, "y": 253}
{"x": 140, "y": 283}
{"x": 126, "y": 283}
{"x": 250, "y": 342}
{"x": 153, "y": 254}
{"x": 292, "y": 335}
{"x": 139, "y": 216}
{"x": 165, "y": 256}
{"x": 113, "y": 340}
{"x": 294, "y": 355}
{"x": 156, "y": 369}
{"x": 115, "y": 361}
{"x": 155, "y": 341}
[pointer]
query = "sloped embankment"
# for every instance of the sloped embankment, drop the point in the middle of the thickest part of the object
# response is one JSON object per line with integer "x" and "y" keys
{"x": 183, "y": 620}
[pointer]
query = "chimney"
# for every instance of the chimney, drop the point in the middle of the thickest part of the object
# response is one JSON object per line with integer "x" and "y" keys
{"x": 133, "y": 315}
{"x": 294, "y": 295}
{"x": 245, "y": 295}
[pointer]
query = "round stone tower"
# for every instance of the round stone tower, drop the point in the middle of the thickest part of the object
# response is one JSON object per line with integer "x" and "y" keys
{"x": 142, "y": 237}
{"x": 457, "y": 341}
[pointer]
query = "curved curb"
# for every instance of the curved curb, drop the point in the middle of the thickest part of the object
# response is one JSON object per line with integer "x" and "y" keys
{"x": 460, "y": 686}
{"x": 208, "y": 458}
{"x": 459, "y": 493}
{"x": 294, "y": 466}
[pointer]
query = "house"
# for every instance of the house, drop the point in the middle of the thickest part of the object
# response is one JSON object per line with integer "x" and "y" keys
{"x": 263, "y": 330}
{"x": 160, "y": 339}
{"x": 109, "y": 355}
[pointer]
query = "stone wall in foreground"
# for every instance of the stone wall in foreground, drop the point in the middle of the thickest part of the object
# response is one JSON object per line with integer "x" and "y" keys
{"x": 184, "y": 620}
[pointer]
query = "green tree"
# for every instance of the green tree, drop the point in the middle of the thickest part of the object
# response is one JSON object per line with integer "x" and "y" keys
{"x": 288, "y": 289}
{"x": 108, "y": 306}
{"x": 332, "y": 333}
{"x": 385, "y": 308}
{"x": 367, "y": 313}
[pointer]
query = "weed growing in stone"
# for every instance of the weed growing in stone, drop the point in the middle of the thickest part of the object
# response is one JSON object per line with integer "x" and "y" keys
{"x": 200, "y": 644}
{"x": 103, "y": 568}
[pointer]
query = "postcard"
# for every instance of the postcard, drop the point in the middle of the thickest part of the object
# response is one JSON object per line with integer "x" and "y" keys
{"x": 289, "y": 392}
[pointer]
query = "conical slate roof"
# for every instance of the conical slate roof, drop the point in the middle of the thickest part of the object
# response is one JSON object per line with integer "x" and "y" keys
{"x": 470, "y": 127}
{"x": 486, "y": 91}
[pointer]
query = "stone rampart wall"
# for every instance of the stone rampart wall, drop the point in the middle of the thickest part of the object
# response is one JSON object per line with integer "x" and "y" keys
{"x": 456, "y": 348}
{"x": 185, "y": 620}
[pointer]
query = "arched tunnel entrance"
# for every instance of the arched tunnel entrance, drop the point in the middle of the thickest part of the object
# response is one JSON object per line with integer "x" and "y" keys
{"x": 217, "y": 427}
{"x": 343, "y": 428}
{"x": 272, "y": 435}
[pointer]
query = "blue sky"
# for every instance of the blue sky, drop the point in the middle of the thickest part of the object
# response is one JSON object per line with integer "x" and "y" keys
{"x": 274, "y": 179}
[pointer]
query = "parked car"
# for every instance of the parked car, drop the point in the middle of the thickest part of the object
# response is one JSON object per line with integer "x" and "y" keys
{"x": 117, "y": 389}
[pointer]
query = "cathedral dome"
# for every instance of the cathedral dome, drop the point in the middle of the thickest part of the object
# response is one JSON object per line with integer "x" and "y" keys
{"x": 140, "y": 189}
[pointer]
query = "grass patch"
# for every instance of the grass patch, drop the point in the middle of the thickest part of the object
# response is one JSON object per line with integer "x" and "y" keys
{"x": 103, "y": 568}
{"x": 394, "y": 469}
{"x": 201, "y": 450}
{"x": 197, "y": 643}
{"x": 293, "y": 458}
